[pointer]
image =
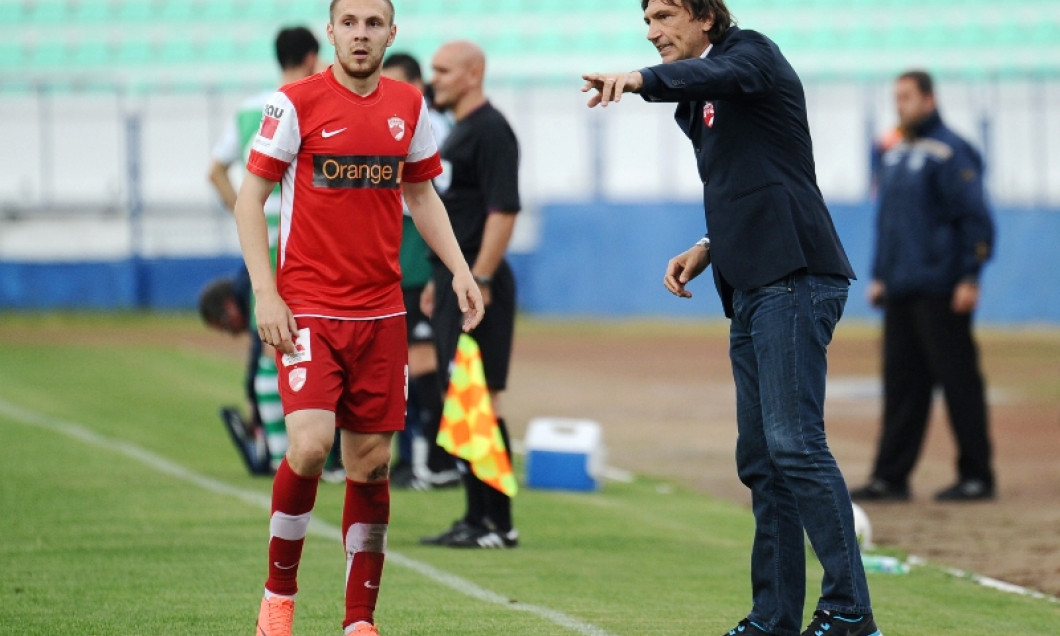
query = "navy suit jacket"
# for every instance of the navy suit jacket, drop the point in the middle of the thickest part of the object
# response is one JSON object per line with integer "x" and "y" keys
{"x": 744, "y": 109}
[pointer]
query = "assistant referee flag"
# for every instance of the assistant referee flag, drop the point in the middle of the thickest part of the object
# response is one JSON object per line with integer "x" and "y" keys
{"x": 469, "y": 427}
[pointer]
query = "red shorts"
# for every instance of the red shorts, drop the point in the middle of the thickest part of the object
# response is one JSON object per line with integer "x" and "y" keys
{"x": 357, "y": 369}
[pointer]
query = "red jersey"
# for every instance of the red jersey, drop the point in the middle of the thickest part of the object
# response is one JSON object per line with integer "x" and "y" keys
{"x": 340, "y": 159}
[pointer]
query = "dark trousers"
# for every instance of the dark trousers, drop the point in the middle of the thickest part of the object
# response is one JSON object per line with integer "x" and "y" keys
{"x": 486, "y": 506}
{"x": 926, "y": 345}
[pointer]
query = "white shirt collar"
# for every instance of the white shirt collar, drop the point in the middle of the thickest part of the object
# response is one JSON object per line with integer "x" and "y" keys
{"x": 707, "y": 52}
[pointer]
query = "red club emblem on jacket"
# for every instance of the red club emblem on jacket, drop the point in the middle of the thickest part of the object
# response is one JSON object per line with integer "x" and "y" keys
{"x": 708, "y": 115}
{"x": 397, "y": 127}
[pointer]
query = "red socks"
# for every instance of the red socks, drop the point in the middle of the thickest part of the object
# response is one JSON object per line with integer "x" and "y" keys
{"x": 293, "y": 497}
{"x": 365, "y": 516}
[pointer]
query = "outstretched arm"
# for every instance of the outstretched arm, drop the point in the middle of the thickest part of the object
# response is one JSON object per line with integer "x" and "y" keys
{"x": 610, "y": 87}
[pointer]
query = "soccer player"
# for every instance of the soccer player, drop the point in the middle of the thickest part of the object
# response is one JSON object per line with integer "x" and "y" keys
{"x": 297, "y": 52}
{"x": 346, "y": 144}
{"x": 783, "y": 278}
{"x": 481, "y": 193}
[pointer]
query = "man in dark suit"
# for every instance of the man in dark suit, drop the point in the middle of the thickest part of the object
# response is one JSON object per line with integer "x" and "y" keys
{"x": 783, "y": 278}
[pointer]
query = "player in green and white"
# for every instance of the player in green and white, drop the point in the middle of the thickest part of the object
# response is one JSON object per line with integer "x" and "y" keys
{"x": 297, "y": 51}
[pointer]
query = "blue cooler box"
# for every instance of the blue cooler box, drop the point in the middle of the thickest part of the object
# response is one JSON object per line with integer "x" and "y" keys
{"x": 564, "y": 454}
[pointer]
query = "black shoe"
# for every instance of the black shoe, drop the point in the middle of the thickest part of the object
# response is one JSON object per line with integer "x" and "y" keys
{"x": 458, "y": 530}
{"x": 879, "y": 490}
{"x": 967, "y": 490}
{"x": 483, "y": 538}
{"x": 746, "y": 628}
{"x": 836, "y": 624}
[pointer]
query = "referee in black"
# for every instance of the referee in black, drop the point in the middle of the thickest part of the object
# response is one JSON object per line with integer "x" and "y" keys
{"x": 480, "y": 189}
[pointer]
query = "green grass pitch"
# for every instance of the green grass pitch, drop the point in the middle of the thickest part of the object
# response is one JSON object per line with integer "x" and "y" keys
{"x": 125, "y": 511}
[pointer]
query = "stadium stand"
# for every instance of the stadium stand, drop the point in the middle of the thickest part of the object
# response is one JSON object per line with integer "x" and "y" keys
{"x": 199, "y": 43}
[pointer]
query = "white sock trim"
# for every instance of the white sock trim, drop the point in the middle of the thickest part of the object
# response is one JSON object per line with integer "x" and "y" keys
{"x": 289, "y": 527}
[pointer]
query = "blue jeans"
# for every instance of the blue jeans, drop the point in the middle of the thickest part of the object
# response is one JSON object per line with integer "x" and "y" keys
{"x": 777, "y": 342}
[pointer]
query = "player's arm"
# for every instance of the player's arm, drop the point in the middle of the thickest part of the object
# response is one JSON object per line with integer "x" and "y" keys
{"x": 225, "y": 153}
{"x": 497, "y": 164}
{"x": 275, "y": 321}
{"x": 432, "y": 221}
{"x": 218, "y": 176}
{"x": 495, "y": 238}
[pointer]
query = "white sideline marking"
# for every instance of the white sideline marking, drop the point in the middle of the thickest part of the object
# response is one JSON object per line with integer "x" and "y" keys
{"x": 986, "y": 581}
{"x": 260, "y": 500}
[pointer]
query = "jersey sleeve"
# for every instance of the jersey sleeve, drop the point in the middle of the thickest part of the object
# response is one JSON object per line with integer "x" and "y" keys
{"x": 423, "y": 162}
{"x": 226, "y": 151}
{"x": 278, "y": 139}
{"x": 498, "y": 166}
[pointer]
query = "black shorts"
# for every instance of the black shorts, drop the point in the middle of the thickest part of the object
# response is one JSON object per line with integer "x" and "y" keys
{"x": 494, "y": 334}
{"x": 419, "y": 325}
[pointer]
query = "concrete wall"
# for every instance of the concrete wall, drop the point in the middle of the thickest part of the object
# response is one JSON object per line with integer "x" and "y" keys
{"x": 608, "y": 260}
{"x": 596, "y": 260}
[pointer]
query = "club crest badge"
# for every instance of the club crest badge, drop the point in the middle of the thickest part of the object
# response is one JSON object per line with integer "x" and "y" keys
{"x": 296, "y": 379}
{"x": 708, "y": 115}
{"x": 397, "y": 127}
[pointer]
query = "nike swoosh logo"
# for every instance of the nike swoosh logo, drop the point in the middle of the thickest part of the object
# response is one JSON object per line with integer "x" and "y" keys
{"x": 285, "y": 567}
{"x": 368, "y": 584}
{"x": 331, "y": 133}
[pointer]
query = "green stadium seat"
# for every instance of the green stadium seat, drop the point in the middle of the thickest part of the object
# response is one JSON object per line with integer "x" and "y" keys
{"x": 12, "y": 54}
{"x": 559, "y": 6}
{"x": 861, "y": 36}
{"x": 91, "y": 54}
{"x": 92, "y": 11}
{"x": 135, "y": 11}
{"x": 512, "y": 7}
{"x": 221, "y": 11}
{"x": 11, "y": 13}
{"x": 176, "y": 51}
{"x": 47, "y": 12}
{"x": 844, "y": 37}
{"x": 284, "y": 12}
{"x": 133, "y": 52}
{"x": 219, "y": 50}
{"x": 1046, "y": 33}
{"x": 506, "y": 44}
{"x": 48, "y": 56}
{"x": 258, "y": 51}
{"x": 822, "y": 37}
{"x": 588, "y": 40}
{"x": 176, "y": 11}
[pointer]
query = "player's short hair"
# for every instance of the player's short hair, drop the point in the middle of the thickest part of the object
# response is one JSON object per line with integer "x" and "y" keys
{"x": 331, "y": 10}
{"x": 703, "y": 9}
{"x": 213, "y": 301}
{"x": 293, "y": 45}
{"x": 924, "y": 83}
{"x": 408, "y": 65}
